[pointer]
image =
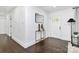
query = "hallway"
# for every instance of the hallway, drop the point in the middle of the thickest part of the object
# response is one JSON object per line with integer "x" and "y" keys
{"x": 28, "y": 25}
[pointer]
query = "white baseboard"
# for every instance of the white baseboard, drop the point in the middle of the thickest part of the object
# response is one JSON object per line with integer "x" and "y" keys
{"x": 2, "y": 33}
{"x": 19, "y": 42}
{"x": 30, "y": 44}
{"x": 60, "y": 38}
{"x": 24, "y": 44}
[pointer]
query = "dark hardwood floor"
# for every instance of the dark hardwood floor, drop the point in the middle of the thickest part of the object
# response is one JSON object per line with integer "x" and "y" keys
{"x": 49, "y": 45}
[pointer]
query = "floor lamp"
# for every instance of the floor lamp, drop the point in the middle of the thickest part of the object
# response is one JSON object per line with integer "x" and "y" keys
{"x": 71, "y": 20}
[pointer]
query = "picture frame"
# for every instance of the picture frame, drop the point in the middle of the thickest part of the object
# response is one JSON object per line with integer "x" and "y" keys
{"x": 39, "y": 18}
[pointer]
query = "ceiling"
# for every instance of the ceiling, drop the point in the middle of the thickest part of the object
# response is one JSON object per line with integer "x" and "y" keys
{"x": 50, "y": 9}
{"x": 5, "y": 9}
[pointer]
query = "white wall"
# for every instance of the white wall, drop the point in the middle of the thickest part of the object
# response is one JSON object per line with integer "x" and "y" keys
{"x": 24, "y": 26}
{"x": 7, "y": 24}
{"x": 18, "y": 25}
{"x": 2, "y": 24}
{"x": 63, "y": 16}
{"x": 31, "y": 25}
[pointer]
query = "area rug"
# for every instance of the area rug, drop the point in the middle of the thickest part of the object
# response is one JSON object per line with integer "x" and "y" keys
{"x": 72, "y": 49}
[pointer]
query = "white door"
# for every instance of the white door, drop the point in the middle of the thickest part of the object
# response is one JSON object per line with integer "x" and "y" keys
{"x": 56, "y": 29}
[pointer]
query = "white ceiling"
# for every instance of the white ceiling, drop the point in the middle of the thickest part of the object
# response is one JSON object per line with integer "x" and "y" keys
{"x": 5, "y": 9}
{"x": 50, "y": 9}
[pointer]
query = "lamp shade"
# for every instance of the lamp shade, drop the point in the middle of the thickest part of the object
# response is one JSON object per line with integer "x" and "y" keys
{"x": 71, "y": 20}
